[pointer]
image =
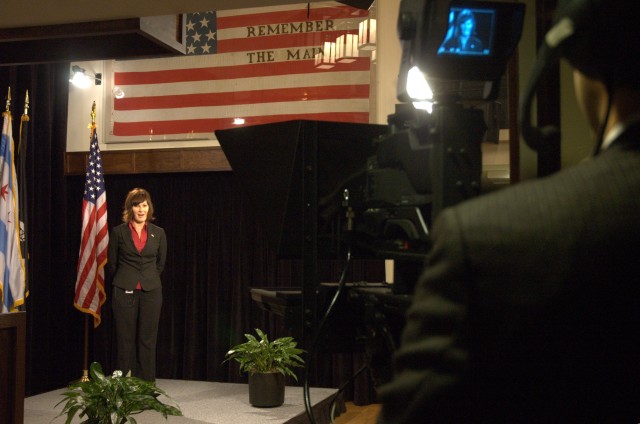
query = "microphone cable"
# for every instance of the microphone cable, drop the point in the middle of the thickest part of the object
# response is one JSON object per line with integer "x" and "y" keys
{"x": 341, "y": 285}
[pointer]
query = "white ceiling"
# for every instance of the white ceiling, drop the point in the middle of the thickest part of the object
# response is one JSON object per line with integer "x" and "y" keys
{"x": 28, "y": 13}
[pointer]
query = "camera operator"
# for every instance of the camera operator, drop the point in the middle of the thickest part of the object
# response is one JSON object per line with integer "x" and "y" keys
{"x": 528, "y": 308}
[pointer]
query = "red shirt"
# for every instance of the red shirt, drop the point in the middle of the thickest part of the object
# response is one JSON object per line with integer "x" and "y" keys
{"x": 139, "y": 241}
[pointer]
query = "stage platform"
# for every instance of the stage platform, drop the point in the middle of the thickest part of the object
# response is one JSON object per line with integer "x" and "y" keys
{"x": 205, "y": 402}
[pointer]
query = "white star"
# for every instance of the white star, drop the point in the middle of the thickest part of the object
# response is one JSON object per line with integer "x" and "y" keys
{"x": 204, "y": 22}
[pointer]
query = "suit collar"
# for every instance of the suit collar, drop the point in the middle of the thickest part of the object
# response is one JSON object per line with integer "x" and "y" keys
{"x": 627, "y": 133}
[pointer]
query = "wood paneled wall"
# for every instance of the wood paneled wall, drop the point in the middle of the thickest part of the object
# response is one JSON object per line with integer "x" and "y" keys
{"x": 151, "y": 161}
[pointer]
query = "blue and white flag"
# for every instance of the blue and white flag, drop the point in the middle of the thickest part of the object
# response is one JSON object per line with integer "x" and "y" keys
{"x": 12, "y": 272}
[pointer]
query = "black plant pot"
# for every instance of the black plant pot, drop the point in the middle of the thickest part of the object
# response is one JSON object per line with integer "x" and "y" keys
{"x": 266, "y": 390}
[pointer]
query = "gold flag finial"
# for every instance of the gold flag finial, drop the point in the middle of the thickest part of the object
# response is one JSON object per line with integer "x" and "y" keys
{"x": 9, "y": 100}
{"x": 26, "y": 104}
{"x": 24, "y": 118}
{"x": 92, "y": 125}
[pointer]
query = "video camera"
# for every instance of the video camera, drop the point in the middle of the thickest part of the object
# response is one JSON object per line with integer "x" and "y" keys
{"x": 394, "y": 179}
{"x": 375, "y": 189}
{"x": 429, "y": 161}
{"x": 432, "y": 39}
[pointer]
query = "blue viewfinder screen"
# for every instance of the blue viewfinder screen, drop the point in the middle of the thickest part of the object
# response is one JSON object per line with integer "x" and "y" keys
{"x": 470, "y": 32}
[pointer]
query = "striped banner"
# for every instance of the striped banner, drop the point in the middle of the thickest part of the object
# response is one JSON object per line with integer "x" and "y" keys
{"x": 257, "y": 64}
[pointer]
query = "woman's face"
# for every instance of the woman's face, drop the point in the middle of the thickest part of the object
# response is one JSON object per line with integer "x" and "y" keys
{"x": 140, "y": 212}
{"x": 466, "y": 28}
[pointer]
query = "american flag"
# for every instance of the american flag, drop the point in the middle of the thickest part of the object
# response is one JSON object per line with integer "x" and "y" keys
{"x": 257, "y": 64}
{"x": 90, "y": 293}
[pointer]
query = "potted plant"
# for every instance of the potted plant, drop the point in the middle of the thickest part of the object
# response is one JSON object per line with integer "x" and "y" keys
{"x": 112, "y": 400}
{"x": 267, "y": 363}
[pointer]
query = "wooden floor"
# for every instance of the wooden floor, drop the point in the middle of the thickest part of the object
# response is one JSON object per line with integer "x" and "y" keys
{"x": 359, "y": 414}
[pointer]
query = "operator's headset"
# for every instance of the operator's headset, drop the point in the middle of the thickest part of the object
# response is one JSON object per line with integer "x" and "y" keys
{"x": 584, "y": 33}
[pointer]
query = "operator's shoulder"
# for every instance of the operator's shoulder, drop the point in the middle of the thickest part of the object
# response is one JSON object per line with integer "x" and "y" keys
{"x": 526, "y": 199}
{"x": 611, "y": 179}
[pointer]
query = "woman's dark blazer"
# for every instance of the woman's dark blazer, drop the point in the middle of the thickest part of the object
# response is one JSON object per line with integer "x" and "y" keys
{"x": 128, "y": 266}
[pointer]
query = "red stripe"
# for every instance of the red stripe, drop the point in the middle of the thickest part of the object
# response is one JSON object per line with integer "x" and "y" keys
{"x": 300, "y": 15}
{"x": 209, "y": 125}
{"x": 103, "y": 232}
{"x": 96, "y": 291}
{"x": 313, "y": 41}
{"x": 244, "y": 97}
{"x": 87, "y": 210}
{"x": 217, "y": 73}
{"x": 85, "y": 269}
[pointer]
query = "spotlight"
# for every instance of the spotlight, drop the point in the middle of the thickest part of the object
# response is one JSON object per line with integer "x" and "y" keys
{"x": 80, "y": 79}
{"x": 418, "y": 89}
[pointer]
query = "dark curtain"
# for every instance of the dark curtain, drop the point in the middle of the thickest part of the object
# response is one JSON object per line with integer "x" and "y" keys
{"x": 54, "y": 328}
{"x": 217, "y": 251}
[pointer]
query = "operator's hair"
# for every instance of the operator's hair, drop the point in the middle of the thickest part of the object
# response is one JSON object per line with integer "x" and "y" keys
{"x": 134, "y": 198}
{"x": 605, "y": 43}
{"x": 599, "y": 38}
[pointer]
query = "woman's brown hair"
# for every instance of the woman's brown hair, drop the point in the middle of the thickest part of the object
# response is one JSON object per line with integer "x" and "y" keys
{"x": 134, "y": 198}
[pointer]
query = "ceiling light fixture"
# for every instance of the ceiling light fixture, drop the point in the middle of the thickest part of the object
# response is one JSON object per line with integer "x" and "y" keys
{"x": 367, "y": 30}
{"x": 367, "y": 34}
{"x": 347, "y": 48}
{"x": 326, "y": 59}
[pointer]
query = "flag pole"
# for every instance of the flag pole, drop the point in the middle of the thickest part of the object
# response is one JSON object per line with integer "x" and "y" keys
{"x": 85, "y": 370}
{"x": 22, "y": 179}
{"x": 89, "y": 295}
{"x": 85, "y": 367}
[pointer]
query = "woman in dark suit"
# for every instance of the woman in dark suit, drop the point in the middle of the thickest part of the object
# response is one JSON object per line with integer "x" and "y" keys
{"x": 136, "y": 258}
{"x": 463, "y": 37}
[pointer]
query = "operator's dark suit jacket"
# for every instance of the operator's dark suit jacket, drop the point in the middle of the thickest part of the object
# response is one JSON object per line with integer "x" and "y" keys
{"x": 528, "y": 309}
{"x": 129, "y": 267}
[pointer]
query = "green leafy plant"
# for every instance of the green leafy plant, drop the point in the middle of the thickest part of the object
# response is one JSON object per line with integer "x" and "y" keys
{"x": 114, "y": 399}
{"x": 264, "y": 356}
